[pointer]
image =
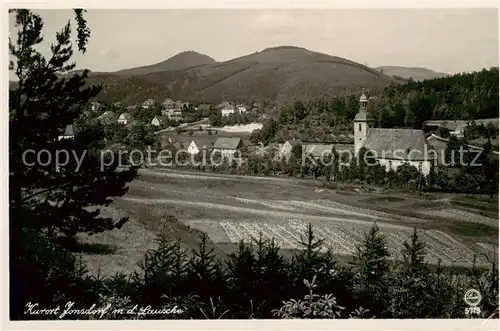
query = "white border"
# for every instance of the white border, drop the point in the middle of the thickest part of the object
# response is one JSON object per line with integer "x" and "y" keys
{"x": 376, "y": 324}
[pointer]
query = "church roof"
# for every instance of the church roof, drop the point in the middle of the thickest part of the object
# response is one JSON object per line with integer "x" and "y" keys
{"x": 402, "y": 144}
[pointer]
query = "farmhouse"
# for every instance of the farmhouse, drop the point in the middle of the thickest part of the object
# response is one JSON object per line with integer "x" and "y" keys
{"x": 124, "y": 118}
{"x": 227, "y": 146}
{"x": 168, "y": 103}
{"x": 392, "y": 147}
{"x": 159, "y": 120}
{"x": 318, "y": 150}
{"x": 227, "y": 110}
{"x": 68, "y": 133}
{"x": 200, "y": 144}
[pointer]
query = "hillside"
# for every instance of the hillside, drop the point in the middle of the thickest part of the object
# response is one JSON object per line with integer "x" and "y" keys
{"x": 182, "y": 60}
{"x": 281, "y": 73}
{"x": 416, "y": 73}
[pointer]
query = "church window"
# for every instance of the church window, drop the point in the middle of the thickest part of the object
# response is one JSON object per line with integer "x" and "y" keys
{"x": 390, "y": 165}
{"x": 420, "y": 166}
{"x": 359, "y": 127}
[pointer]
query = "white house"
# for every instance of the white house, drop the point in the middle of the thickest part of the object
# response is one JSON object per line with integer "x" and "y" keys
{"x": 227, "y": 110}
{"x": 68, "y": 133}
{"x": 124, "y": 118}
{"x": 227, "y": 146}
{"x": 198, "y": 145}
{"x": 392, "y": 147}
{"x": 158, "y": 120}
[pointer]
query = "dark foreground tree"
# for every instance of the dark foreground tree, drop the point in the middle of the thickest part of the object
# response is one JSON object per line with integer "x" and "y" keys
{"x": 46, "y": 201}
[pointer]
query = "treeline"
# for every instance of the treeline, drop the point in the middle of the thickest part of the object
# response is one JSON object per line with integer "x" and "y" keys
{"x": 459, "y": 97}
{"x": 257, "y": 281}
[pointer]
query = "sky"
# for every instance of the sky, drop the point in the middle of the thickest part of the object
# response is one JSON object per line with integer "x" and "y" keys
{"x": 445, "y": 40}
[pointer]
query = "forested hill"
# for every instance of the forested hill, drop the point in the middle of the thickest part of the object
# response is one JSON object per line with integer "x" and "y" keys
{"x": 461, "y": 96}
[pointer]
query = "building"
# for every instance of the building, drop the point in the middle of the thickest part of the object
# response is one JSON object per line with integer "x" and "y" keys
{"x": 227, "y": 146}
{"x": 201, "y": 144}
{"x": 318, "y": 150}
{"x": 168, "y": 103}
{"x": 159, "y": 120}
{"x": 148, "y": 103}
{"x": 457, "y": 127}
{"x": 68, "y": 133}
{"x": 286, "y": 148}
{"x": 224, "y": 104}
{"x": 392, "y": 147}
{"x": 227, "y": 110}
{"x": 241, "y": 109}
{"x": 173, "y": 114}
{"x": 124, "y": 118}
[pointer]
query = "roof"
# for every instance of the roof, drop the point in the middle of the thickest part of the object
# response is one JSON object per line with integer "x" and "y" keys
{"x": 161, "y": 118}
{"x": 318, "y": 150}
{"x": 69, "y": 131}
{"x": 133, "y": 107}
{"x": 227, "y": 143}
{"x": 363, "y": 98}
{"x": 439, "y": 144}
{"x": 202, "y": 143}
{"x": 294, "y": 142}
{"x": 126, "y": 115}
{"x": 396, "y": 143}
{"x": 363, "y": 116}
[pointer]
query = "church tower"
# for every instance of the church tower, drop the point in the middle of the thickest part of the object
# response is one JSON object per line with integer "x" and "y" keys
{"x": 362, "y": 123}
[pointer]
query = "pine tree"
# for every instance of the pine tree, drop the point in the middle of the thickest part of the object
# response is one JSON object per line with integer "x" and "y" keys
{"x": 409, "y": 285}
{"x": 43, "y": 199}
{"x": 371, "y": 267}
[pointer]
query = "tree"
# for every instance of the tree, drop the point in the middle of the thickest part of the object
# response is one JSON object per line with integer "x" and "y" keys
{"x": 371, "y": 267}
{"x": 46, "y": 203}
{"x": 409, "y": 290}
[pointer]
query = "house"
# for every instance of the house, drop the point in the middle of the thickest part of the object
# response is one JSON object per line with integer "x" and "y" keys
{"x": 439, "y": 146}
{"x": 159, "y": 120}
{"x": 68, "y": 133}
{"x": 227, "y": 146}
{"x": 318, "y": 150}
{"x": 173, "y": 114}
{"x": 148, "y": 103}
{"x": 131, "y": 108}
{"x": 286, "y": 148}
{"x": 124, "y": 118}
{"x": 457, "y": 127}
{"x": 242, "y": 109}
{"x": 168, "y": 103}
{"x": 226, "y": 111}
{"x": 200, "y": 144}
{"x": 391, "y": 147}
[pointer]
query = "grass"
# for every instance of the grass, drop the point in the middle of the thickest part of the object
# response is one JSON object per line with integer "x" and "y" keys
{"x": 470, "y": 229}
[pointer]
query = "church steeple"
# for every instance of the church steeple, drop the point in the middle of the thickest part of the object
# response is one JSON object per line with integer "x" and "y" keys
{"x": 362, "y": 123}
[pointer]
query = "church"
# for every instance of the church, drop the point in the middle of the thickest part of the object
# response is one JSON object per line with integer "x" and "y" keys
{"x": 392, "y": 147}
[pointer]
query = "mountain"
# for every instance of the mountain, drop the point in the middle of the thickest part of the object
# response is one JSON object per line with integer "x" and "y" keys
{"x": 416, "y": 73}
{"x": 280, "y": 73}
{"x": 182, "y": 60}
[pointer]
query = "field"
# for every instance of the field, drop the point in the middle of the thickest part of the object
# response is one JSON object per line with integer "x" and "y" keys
{"x": 230, "y": 208}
